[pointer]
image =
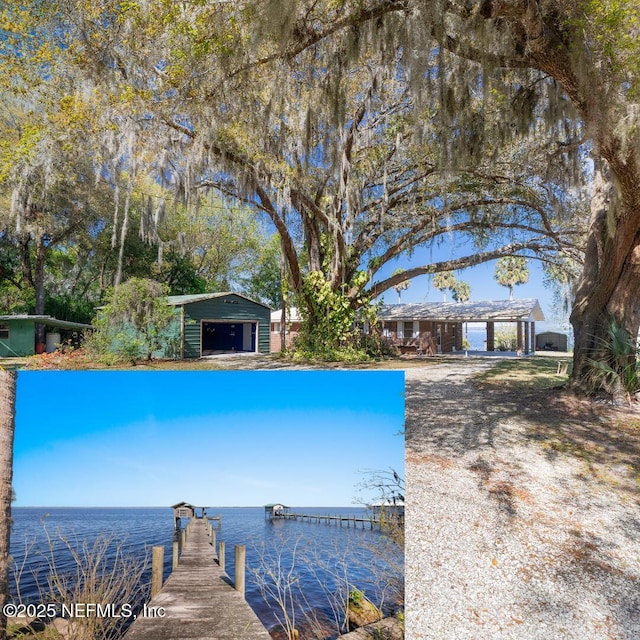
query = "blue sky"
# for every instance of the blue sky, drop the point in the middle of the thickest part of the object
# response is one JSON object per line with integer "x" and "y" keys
{"x": 127, "y": 438}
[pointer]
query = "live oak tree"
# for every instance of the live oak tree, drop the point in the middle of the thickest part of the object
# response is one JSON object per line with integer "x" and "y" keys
{"x": 46, "y": 183}
{"x": 341, "y": 158}
{"x": 83, "y": 197}
{"x": 52, "y": 200}
{"x": 591, "y": 51}
{"x": 560, "y": 65}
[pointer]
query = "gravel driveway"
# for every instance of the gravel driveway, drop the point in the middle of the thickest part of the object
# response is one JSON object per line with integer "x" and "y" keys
{"x": 523, "y": 513}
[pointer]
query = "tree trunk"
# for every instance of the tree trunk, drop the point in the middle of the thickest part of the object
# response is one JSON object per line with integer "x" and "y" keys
{"x": 33, "y": 272}
{"x": 38, "y": 284}
{"x": 610, "y": 280}
{"x": 7, "y": 428}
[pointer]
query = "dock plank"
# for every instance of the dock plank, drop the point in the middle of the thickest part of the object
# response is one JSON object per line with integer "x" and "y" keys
{"x": 198, "y": 600}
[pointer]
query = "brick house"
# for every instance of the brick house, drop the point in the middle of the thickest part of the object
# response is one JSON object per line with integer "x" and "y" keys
{"x": 437, "y": 327}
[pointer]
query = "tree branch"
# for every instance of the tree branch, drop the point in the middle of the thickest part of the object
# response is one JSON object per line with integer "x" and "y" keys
{"x": 377, "y": 288}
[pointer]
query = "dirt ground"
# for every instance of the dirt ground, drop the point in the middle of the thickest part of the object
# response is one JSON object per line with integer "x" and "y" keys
{"x": 523, "y": 511}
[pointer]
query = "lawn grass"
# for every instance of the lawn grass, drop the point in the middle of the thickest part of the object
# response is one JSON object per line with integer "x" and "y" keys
{"x": 539, "y": 372}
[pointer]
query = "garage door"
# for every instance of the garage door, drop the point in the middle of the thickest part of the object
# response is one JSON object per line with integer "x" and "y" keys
{"x": 228, "y": 336}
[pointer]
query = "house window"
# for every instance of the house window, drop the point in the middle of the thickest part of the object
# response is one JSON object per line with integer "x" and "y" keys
{"x": 275, "y": 327}
{"x": 386, "y": 330}
{"x": 4, "y": 331}
{"x": 407, "y": 329}
{"x": 453, "y": 330}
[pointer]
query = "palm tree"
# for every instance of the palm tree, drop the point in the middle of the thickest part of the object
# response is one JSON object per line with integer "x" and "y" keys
{"x": 444, "y": 280}
{"x": 7, "y": 428}
{"x": 461, "y": 291}
{"x": 401, "y": 286}
{"x": 510, "y": 271}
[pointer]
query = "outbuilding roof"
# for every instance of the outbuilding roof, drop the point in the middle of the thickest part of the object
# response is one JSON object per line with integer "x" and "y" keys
{"x": 182, "y": 504}
{"x": 477, "y": 311}
{"x": 47, "y": 320}
{"x": 198, "y": 297}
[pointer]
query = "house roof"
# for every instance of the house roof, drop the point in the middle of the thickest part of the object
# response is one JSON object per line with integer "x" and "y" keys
{"x": 476, "y": 311}
{"x": 47, "y": 320}
{"x": 293, "y": 315}
{"x": 198, "y": 297}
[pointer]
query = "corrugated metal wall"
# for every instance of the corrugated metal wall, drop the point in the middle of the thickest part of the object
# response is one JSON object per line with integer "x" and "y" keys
{"x": 21, "y": 341}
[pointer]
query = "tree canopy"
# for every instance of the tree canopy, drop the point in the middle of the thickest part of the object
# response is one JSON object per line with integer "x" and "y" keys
{"x": 345, "y": 159}
{"x": 362, "y": 130}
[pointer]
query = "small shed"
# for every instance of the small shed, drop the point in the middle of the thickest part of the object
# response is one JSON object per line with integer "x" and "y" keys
{"x": 18, "y": 334}
{"x": 275, "y": 510}
{"x": 219, "y": 322}
{"x": 182, "y": 510}
{"x": 552, "y": 341}
{"x": 390, "y": 510}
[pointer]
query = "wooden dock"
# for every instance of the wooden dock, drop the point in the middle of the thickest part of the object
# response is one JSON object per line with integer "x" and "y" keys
{"x": 198, "y": 600}
{"x": 342, "y": 521}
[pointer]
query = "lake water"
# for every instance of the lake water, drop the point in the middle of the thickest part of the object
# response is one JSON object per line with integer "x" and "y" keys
{"x": 323, "y": 561}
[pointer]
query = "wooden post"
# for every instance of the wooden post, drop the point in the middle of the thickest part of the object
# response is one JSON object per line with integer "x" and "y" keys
{"x": 241, "y": 554}
{"x": 213, "y": 537}
{"x": 221, "y": 552}
{"x": 174, "y": 564}
{"x": 184, "y": 537}
{"x": 157, "y": 561}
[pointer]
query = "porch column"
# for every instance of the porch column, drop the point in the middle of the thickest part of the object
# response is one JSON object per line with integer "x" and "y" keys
{"x": 491, "y": 336}
{"x": 526, "y": 337}
{"x": 533, "y": 338}
{"x": 519, "y": 336}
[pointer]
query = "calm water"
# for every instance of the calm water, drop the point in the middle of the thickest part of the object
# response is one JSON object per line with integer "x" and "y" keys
{"x": 326, "y": 560}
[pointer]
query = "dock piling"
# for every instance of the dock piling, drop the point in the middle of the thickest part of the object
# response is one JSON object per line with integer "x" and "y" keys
{"x": 157, "y": 562}
{"x": 174, "y": 563}
{"x": 241, "y": 554}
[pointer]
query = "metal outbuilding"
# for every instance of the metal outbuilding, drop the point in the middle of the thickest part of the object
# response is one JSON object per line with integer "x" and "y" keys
{"x": 18, "y": 334}
{"x": 552, "y": 341}
{"x": 210, "y": 323}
